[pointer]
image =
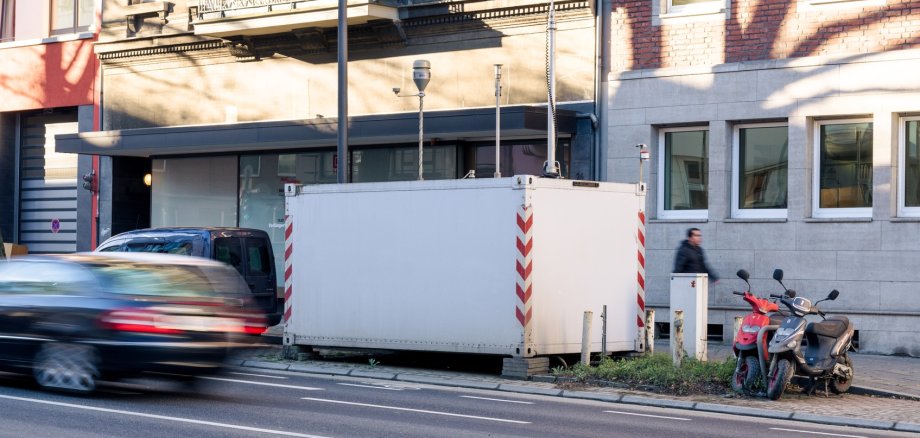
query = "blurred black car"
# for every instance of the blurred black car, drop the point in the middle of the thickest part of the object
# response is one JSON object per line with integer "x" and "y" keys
{"x": 72, "y": 320}
{"x": 246, "y": 249}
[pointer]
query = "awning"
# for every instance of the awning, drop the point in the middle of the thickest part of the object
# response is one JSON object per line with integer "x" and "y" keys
{"x": 516, "y": 121}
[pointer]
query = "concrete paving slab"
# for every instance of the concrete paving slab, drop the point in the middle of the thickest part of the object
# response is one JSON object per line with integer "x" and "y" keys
{"x": 459, "y": 383}
{"x": 316, "y": 369}
{"x": 843, "y": 421}
{"x": 530, "y": 390}
{"x": 660, "y": 402}
{"x": 743, "y": 410}
{"x": 597, "y": 396}
{"x": 266, "y": 365}
{"x": 372, "y": 374}
{"x": 907, "y": 427}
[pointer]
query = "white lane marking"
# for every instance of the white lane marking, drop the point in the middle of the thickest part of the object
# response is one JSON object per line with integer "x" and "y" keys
{"x": 497, "y": 400}
{"x": 278, "y": 385}
{"x": 162, "y": 417}
{"x": 416, "y": 410}
{"x": 372, "y": 386}
{"x": 648, "y": 415}
{"x": 815, "y": 433}
{"x": 259, "y": 375}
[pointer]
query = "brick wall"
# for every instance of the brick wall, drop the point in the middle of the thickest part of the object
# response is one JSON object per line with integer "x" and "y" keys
{"x": 759, "y": 30}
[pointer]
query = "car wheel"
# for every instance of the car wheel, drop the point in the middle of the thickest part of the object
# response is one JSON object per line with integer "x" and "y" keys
{"x": 71, "y": 367}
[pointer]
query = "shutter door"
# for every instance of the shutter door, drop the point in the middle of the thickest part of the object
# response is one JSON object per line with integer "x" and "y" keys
{"x": 48, "y": 184}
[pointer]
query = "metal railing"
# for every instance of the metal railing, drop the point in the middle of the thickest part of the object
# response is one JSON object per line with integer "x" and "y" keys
{"x": 223, "y": 6}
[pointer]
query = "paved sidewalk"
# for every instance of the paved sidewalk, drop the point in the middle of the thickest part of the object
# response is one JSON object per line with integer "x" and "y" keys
{"x": 851, "y": 409}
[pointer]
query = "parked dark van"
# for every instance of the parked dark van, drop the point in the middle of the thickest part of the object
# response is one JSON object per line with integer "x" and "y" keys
{"x": 248, "y": 250}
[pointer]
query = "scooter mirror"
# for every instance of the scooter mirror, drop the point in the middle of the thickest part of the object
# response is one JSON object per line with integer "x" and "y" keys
{"x": 778, "y": 274}
{"x": 833, "y": 295}
{"x": 742, "y": 274}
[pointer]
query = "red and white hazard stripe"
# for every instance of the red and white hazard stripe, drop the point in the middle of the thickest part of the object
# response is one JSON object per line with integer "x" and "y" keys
{"x": 640, "y": 316}
{"x": 524, "y": 286}
{"x": 288, "y": 270}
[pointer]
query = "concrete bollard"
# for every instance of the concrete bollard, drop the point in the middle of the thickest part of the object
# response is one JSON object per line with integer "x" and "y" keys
{"x": 586, "y": 339}
{"x": 736, "y": 328}
{"x": 650, "y": 331}
{"x": 677, "y": 344}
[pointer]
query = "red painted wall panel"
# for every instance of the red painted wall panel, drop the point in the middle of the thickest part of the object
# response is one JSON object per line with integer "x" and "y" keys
{"x": 47, "y": 75}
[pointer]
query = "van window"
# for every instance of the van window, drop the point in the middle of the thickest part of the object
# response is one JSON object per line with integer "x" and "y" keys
{"x": 230, "y": 251}
{"x": 259, "y": 256}
{"x": 181, "y": 246}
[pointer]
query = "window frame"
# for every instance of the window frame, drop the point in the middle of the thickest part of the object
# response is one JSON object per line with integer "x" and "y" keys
{"x": 702, "y": 8}
{"x": 679, "y": 214}
{"x": 75, "y": 26}
{"x": 829, "y": 212}
{"x": 758, "y": 213}
{"x": 903, "y": 209}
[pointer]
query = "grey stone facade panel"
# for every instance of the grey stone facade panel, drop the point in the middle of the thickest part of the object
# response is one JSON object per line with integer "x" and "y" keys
{"x": 855, "y": 296}
{"x": 818, "y": 265}
{"x": 625, "y": 118}
{"x": 878, "y": 265}
{"x": 835, "y": 236}
{"x": 892, "y": 296}
{"x": 756, "y": 236}
{"x": 889, "y": 342}
{"x": 681, "y": 114}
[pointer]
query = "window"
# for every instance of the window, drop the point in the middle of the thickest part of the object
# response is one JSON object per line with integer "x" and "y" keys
{"x": 6, "y": 20}
{"x": 71, "y": 16}
{"x": 909, "y": 170}
{"x": 683, "y": 173}
{"x": 759, "y": 169}
{"x": 520, "y": 157}
{"x": 694, "y": 6}
{"x": 843, "y": 169}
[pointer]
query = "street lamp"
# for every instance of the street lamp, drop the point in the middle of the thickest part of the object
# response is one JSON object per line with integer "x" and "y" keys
{"x": 421, "y": 74}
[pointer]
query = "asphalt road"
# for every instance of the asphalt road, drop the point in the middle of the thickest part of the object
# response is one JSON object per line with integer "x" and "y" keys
{"x": 245, "y": 403}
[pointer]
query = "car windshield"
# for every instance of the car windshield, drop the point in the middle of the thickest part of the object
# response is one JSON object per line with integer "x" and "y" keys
{"x": 159, "y": 280}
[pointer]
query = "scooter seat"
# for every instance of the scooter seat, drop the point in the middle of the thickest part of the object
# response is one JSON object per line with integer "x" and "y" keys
{"x": 833, "y": 327}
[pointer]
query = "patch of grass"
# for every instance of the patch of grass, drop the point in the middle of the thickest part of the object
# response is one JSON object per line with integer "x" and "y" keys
{"x": 657, "y": 371}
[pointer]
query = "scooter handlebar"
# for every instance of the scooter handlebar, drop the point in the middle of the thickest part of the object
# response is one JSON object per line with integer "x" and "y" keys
{"x": 776, "y": 296}
{"x": 738, "y": 293}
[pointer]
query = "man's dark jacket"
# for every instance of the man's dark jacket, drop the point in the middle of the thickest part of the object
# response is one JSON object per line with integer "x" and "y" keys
{"x": 690, "y": 259}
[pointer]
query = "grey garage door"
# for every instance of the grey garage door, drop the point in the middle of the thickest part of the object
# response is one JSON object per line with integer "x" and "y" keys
{"x": 48, "y": 184}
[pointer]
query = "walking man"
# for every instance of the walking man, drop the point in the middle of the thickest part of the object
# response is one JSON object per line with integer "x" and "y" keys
{"x": 690, "y": 258}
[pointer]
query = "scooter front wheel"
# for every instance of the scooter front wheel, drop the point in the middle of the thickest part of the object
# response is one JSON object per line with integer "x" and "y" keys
{"x": 746, "y": 375}
{"x": 780, "y": 376}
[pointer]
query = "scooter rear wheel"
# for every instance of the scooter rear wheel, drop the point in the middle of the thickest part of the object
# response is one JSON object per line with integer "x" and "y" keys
{"x": 746, "y": 375}
{"x": 839, "y": 385}
{"x": 780, "y": 376}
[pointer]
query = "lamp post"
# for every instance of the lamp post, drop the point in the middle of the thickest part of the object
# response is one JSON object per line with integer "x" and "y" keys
{"x": 498, "y": 94}
{"x": 421, "y": 74}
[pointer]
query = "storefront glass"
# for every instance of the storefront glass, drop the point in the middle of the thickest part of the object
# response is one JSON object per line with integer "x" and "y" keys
{"x": 194, "y": 192}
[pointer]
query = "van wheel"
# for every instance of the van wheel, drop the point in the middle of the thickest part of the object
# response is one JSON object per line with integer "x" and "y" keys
{"x": 71, "y": 367}
{"x": 780, "y": 376}
{"x": 839, "y": 385}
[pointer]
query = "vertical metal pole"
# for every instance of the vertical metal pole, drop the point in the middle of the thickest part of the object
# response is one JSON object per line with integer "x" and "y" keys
{"x": 650, "y": 331}
{"x": 550, "y": 168}
{"x": 604, "y": 331}
{"x": 498, "y": 93}
{"x": 342, "y": 149}
{"x": 586, "y": 338}
{"x": 677, "y": 344}
{"x": 421, "y": 131}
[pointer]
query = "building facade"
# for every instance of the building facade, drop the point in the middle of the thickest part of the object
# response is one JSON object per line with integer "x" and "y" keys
{"x": 48, "y": 86}
{"x": 788, "y": 132}
{"x": 222, "y": 102}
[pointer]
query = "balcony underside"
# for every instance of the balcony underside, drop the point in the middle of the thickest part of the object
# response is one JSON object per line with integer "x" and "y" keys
{"x": 287, "y": 17}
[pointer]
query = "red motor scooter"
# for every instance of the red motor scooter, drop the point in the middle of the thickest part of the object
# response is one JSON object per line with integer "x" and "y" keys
{"x": 750, "y": 345}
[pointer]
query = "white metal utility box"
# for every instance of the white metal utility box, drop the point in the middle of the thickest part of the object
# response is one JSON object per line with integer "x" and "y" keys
{"x": 499, "y": 266}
